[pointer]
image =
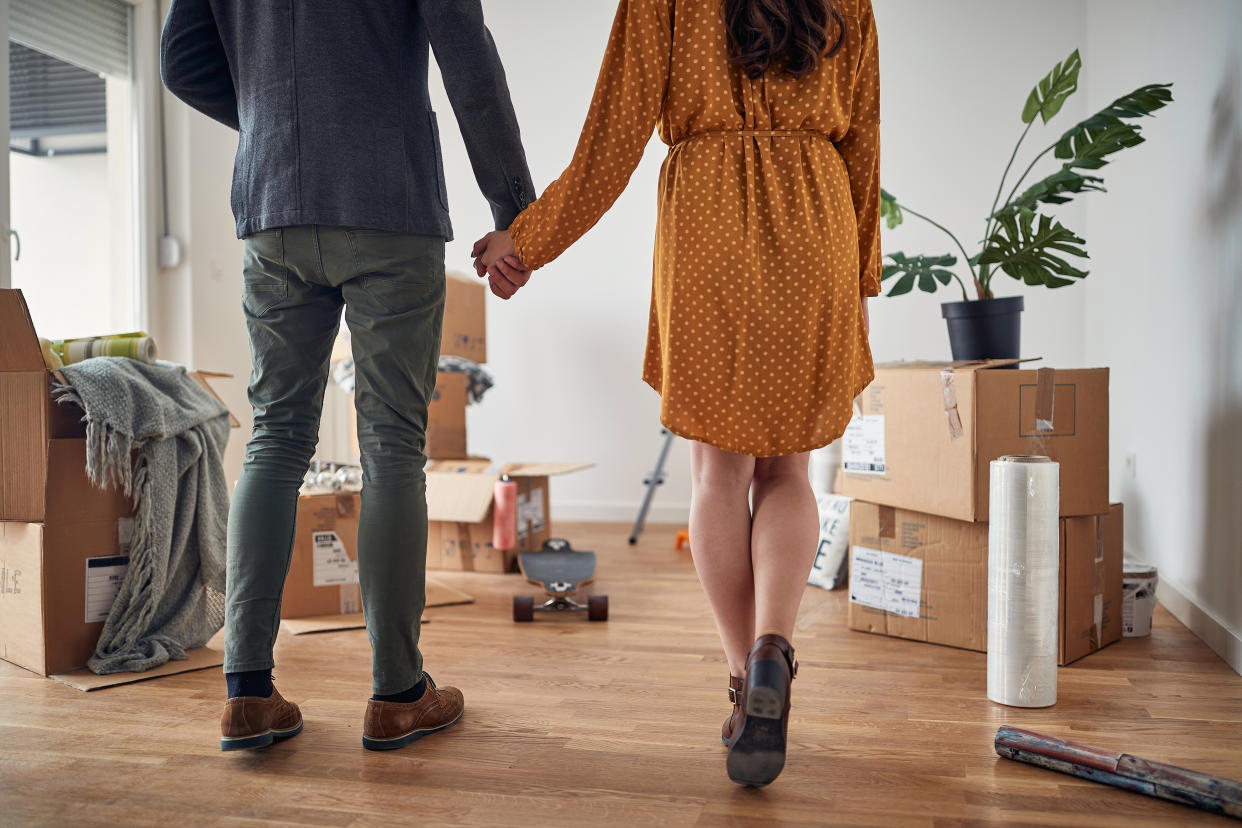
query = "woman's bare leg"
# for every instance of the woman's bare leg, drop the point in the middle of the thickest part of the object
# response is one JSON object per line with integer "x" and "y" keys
{"x": 720, "y": 543}
{"x": 784, "y": 535}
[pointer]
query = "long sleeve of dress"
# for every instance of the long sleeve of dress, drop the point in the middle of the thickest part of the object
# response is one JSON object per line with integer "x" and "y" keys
{"x": 628, "y": 99}
{"x": 860, "y": 147}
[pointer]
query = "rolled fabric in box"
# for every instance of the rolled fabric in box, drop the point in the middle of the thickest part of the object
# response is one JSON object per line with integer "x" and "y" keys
{"x": 1023, "y": 581}
{"x": 137, "y": 346}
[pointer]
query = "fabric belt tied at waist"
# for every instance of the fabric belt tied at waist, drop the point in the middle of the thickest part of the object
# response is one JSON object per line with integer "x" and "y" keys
{"x": 752, "y": 133}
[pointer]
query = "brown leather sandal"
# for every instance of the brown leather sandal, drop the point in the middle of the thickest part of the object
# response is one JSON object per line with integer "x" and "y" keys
{"x": 757, "y": 750}
{"x": 735, "y": 718}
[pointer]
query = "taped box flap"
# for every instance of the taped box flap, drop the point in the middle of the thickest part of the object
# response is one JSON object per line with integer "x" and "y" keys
{"x": 19, "y": 344}
{"x": 544, "y": 469}
{"x": 460, "y": 493}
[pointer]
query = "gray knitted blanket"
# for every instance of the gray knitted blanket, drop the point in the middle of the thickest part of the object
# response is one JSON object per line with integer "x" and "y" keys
{"x": 151, "y": 430}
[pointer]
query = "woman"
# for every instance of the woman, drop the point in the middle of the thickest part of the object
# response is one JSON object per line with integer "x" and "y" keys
{"x": 767, "y": 249}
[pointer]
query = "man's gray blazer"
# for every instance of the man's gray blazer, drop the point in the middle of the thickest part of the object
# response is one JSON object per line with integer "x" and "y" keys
{"x": 330, "y": 98}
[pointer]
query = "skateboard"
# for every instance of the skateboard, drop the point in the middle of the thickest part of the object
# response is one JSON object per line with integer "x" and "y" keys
{"x": 562, "y": 571}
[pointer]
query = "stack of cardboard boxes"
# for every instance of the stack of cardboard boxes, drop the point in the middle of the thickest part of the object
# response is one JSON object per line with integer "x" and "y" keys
{"x": 916, "y": 460}
{"x": 323, "y": 575}
{"x": 64, "y": 544}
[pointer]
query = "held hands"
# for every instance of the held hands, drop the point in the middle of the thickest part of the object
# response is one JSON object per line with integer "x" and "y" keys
{"x": 496, "y": 258}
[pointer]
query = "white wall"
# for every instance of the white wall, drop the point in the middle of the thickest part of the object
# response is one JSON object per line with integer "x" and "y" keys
{"x": 1164, "y": 309}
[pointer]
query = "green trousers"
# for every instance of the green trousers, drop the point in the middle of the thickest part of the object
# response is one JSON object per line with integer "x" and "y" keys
{"x": 391, "y": 286}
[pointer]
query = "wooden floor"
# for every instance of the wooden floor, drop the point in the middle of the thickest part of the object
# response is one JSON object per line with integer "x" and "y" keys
{"x": 569, "y": 722}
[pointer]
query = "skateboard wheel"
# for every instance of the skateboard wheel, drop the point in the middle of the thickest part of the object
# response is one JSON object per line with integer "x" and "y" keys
{"x": 597, "y": 607}
{"x": 524, "y": 608}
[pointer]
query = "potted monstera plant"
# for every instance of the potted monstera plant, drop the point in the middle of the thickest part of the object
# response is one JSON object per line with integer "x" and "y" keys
{"x": 1021, "y": 239}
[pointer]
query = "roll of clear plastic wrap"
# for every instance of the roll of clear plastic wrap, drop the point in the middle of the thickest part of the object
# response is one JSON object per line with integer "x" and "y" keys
{"x": 1023, "y": 581}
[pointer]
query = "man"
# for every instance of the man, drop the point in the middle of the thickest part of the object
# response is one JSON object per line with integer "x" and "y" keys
{"x": 338, "y": 192}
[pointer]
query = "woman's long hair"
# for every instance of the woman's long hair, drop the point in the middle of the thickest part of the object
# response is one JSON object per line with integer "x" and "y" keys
{"x": 792, "y": 35}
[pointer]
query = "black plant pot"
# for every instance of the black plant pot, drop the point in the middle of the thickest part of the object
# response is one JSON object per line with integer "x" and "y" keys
{"x": 985, "y": 329}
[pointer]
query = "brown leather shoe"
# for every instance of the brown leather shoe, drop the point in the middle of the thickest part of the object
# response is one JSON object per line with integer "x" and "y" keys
{"x": 390, "y": 725}
{"x": 254, "y": 722}
{"x": 735, "y": 718}
{"x": 757, "y": 749}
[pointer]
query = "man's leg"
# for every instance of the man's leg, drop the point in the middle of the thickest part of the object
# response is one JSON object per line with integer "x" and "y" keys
{"x": 292, "y": 323}
{"x": 394, "y": 308}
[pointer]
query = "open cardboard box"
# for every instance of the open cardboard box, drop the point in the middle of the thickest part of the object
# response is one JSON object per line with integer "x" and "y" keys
{"x": 321, "y": 590}
{"x": 63, "y": 542}
{"x": 459, "y": 512}
{"x": 928, "y": 431}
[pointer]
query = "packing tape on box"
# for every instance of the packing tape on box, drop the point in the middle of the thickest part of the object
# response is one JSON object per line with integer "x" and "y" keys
{"x": 1045, "y": 398}
{"x": 1023, "y": 581}
{"x": 949, "y": 391}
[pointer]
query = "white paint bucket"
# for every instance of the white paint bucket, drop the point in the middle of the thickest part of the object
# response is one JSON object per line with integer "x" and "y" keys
{"x": 1138, "y": 599}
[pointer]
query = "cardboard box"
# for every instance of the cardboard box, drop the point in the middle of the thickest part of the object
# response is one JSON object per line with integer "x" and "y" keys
{"x": 929, "y": 431}
{"x": 323, "y": 572}
{"x": 459, "y": 511}
{"x": 933, "y": 574}
{"x": 465, "y": 318}
{"x": 63, "y": 542}
{"x": 446, "y": 419}
{"x": 60, "y": 575}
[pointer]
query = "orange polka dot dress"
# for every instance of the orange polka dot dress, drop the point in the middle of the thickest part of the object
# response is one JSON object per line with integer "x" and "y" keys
{"x": 768, "y": 226}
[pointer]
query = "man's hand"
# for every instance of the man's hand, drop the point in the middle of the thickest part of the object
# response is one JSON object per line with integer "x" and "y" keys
{"x": 496, "y": 258}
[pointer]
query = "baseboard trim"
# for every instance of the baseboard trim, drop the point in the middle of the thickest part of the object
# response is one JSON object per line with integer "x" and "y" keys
{"x": 587, "y": 511}
{"x": 1212, "y": 631}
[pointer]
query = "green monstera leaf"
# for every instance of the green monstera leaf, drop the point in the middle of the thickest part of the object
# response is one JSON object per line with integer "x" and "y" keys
{"x": 1106, "y": 131}
{"x": 925, "y": 271}
{"x": 1087, "y": 146}
{"x": 1033, "y": 251}
{"x": 890, "y": 210}
{"x": 1057, "y": 188}
{"x": 1049, "y": 95}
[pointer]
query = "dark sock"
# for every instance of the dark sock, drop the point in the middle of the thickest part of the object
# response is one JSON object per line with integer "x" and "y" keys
{"x": 250, "y": 683}
{"x": 412, "y": 695}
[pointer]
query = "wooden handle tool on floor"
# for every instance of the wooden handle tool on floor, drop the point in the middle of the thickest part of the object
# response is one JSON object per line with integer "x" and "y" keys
{"x": 1121, "y": 770}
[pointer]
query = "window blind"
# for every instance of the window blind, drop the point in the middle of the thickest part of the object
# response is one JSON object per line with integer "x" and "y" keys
{"x": 49, "y": 97}
{"x": 91, "y": 34}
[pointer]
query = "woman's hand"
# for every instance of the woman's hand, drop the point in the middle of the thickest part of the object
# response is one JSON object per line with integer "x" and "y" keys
{"x": 866, "y": 316}
{"x": 496, "y": 257}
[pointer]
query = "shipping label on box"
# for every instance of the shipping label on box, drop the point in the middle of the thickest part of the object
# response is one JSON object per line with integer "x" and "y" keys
{"x": 104, "y": 577}
{"x": 333, "y": 566}
{"x": 887, "y": 581}
{"x": 862, "y": 446}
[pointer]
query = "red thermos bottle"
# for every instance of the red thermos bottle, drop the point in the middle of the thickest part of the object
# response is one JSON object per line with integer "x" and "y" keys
{"x": 504, "y": 516}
